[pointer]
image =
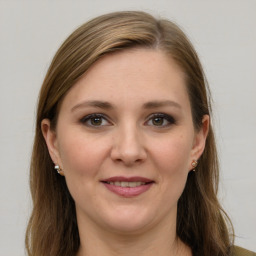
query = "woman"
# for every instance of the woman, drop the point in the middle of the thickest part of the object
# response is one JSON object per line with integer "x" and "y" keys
{"x": 124, "y": 119}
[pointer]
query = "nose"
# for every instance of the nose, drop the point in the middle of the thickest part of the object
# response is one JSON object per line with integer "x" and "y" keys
{"x": 128, "y": 146}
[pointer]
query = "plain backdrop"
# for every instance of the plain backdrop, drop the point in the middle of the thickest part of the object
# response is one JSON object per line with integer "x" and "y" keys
{"x": 222, "y": 31}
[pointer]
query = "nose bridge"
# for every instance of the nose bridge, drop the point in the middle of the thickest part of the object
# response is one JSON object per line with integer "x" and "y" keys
{"x": 128, "y": 144}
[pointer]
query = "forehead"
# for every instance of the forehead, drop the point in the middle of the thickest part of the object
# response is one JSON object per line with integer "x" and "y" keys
{"x": 129, "y": 76}
{"x": 137, "y": 63}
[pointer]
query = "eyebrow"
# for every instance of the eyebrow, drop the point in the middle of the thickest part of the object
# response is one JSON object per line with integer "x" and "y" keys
{"x": 107, "y": 105}
{"x": 157, "y": 104}
{"x": 93, "y": 103}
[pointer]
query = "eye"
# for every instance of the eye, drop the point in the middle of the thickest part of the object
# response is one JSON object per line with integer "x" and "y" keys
{"x": 160, "y": 120}
{"x": 95, "y": 120}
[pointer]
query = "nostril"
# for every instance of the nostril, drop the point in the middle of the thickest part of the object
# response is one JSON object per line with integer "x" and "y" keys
{"x": 128, "y": 150}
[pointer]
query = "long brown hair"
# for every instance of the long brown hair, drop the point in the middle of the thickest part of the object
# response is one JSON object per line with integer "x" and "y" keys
{"x": 201, "y": 222}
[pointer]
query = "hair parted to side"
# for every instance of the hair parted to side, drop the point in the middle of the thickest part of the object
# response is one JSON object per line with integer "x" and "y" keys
{"x": 201, "y": 222}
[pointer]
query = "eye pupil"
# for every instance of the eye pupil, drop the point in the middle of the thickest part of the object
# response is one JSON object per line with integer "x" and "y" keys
{"x": 158, "y": 121}
{"x": 96, "y": 121}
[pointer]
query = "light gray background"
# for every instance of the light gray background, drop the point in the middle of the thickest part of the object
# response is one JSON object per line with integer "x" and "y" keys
{"x": 224, "y": 34}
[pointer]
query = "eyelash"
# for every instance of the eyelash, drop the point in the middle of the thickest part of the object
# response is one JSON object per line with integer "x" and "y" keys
{"x": 164, "y": 117}
{"x": 90, "y": 117}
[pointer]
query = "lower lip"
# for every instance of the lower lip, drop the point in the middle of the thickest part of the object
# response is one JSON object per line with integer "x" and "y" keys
{"x": 128, "y": 191}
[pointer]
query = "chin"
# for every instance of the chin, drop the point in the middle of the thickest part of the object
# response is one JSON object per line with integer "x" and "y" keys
{"x": 129, "y": 227}
{"x": 129, "y": 221}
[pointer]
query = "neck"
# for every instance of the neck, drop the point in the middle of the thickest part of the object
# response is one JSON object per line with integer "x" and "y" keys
{"x": 160, "y": 241}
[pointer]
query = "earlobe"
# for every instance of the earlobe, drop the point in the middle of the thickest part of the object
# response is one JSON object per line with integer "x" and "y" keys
{"x": 200, "y": 138}
{"x": 51, "y": 140}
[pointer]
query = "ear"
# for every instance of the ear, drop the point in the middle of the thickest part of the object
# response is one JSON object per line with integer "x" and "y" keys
{"x": 200, "y": 139}
{"x": 51, "y": 141}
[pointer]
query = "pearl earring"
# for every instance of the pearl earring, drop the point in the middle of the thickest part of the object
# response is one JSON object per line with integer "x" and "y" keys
{"x": 58, "y": 169}
{"x": 194, "y": 164}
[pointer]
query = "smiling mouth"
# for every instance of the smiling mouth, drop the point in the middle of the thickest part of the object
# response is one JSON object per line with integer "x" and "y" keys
{"x": 127, "y": 184}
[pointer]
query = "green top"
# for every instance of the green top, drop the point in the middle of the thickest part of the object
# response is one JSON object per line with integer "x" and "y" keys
{"x": 238, "y": 251}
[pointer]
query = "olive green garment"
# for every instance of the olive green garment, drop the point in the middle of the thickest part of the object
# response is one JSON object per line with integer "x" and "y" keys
{"x": 238, "y": 251}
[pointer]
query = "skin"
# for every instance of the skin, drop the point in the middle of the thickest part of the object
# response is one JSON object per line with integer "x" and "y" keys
{"x": 127, "y": 141}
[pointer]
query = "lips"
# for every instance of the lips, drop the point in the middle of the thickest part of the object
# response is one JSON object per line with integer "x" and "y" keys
{"x": 128, "y": 186}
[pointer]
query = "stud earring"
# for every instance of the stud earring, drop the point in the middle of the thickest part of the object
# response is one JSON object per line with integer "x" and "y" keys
{"x": 58, "y": 169}
{"x": 194, "y": 164}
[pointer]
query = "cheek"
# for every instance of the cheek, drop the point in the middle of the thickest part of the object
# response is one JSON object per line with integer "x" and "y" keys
{"x": 81, "y": 155}
{"x": 172, "y": 159}
{"x": 173, "y": 154}
{"x": 82, "y": 158}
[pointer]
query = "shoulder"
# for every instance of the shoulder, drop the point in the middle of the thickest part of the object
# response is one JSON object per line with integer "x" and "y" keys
{"x": 238, "y": 251}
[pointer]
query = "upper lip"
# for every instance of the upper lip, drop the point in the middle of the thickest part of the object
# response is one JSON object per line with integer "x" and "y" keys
{"x": 127, "y": 179}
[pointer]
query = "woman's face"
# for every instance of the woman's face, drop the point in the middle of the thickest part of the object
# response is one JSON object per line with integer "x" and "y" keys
{"x": 125, "y": 141}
